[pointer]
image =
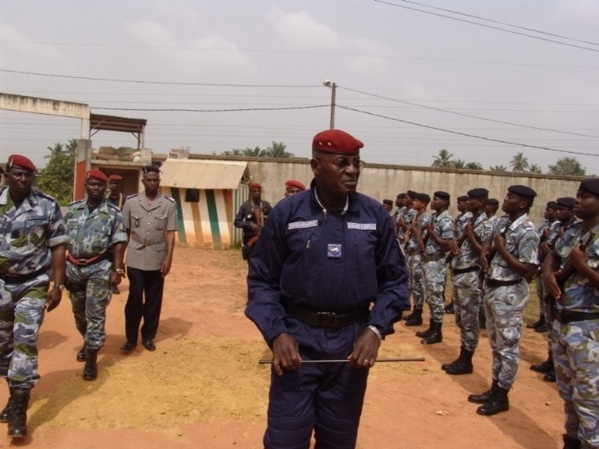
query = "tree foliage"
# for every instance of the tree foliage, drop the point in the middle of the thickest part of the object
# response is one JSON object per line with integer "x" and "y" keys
{"x": 567, "y": 166}
{"x": 278, "y": 149}
{"x": 458, "y": 163}
{"x": 58, "y": 176}
{"x": 443, "y": 159}
{"x": 519, "y": 163}
{"x": 498, "y": 168}
{"x": 474, "y": 166}
{"x": 535, "y": 168}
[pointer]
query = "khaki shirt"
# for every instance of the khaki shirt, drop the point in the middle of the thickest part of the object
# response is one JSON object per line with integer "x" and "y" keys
{"x": 148, "y": 224}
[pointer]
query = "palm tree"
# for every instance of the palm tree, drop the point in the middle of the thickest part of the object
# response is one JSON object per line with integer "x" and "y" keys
{"x": 458, "y": 163}
{"x": 443, "y": 159}
{"x": 278, "y": 149}
{"x": 535, "y": 168}
{"x": 498, "y": 168}
{"x": 519, "y": 163}
{"x": 254, "y": 152}
{"x": 474, "y": 166}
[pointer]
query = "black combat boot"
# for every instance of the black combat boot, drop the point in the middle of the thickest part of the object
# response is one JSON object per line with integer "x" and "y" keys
{"x": 482, "y": 318}
{"x": 6, "y": 411}
{"x": 537, "y": 323}
{"x": 484, "y": 397}
{"x": 550, "y": 376}
{"x": 90, "y": 371}
{"x": 571, "y": 442}
{"x": 17, "y": 418}
{"x": 427, "y": 332}
{"x": 81, "y": 354}
{"x": 415, "y": 319}
{"x": 463, "y": 365}
{"x": 449, "y": 309}
{"x": 435, "y": 336}
{"x": 499, "y": 402}
{"x": 544, "y": 367}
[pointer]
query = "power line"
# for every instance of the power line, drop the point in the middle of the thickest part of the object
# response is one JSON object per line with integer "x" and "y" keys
{"x": 469, "y": 115}
{"x": 488, "y": 139}
{"x": 488, "y": 26}
{"x": 217, "y": 110}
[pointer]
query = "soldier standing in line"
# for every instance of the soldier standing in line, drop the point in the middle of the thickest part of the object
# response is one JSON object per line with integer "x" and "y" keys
{"x": 439, "y": 240}
{"x": 466, "y": 267}
{"x": 116, "y": 197}
{"x": 292, "y": 187}
{"x": 32, "y": 241}
{"x": 250, "y": 218}
{"x": 96, "y": 247}
{"x": 388, "y": 205}
{"x": 463, "y": 217}
{"x": 491, "y": 210}
{"x": 544, "y": 230}
{"x": 398, "y": 213}
{"x": 415, "y": 251}
{"x": 514, "y": 262}
{"x": 571, "y": 277}
{"x": 151, "y": 222}
{"x": 403, "y": 203}
{"x": 565, "y": 220}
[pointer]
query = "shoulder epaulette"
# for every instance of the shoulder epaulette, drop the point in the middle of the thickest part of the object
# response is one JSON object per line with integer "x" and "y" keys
{"x": 170, "y": 198}
{"x": 113, "y": 206}
{"x": 43, "y": 195}
{"x": 133, "y": 195}
{"x": 75, "y": 202}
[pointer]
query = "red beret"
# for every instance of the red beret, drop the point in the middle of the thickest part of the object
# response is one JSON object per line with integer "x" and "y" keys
{"x": 337, "y": 142}
{"x": 94, "y": 173}
{"x": 255, "y": 185}
{"x": 294, "y": 183}
{"x": 115, "y": 178}
{"x": 20, "y": 161}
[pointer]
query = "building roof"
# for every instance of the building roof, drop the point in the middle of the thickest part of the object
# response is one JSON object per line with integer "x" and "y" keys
{"x": 204, "y": 174}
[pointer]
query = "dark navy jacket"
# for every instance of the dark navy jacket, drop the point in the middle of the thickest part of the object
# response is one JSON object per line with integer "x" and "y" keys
{"x": 326, "y": 262}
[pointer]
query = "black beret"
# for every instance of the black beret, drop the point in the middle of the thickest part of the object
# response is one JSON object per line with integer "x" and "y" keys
{"x": 411, "y": 194}
{"x": 387, "y": 201}
{"x": 552, "y": 205}
{"x": 566, "y": 202}
{"x": 441, "y": 194}
{"x": 522, "y": 191}
{"x": 493, "y": 202}
{"x": 463, "y": 198}
{"x": 590, "y": 185}
{"x": 478, "y": 193}
{"x": 422, "y": 197}
{"x": 401, "y": 196}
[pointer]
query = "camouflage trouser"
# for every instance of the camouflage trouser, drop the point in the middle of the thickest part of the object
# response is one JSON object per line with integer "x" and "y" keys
{"x": 541, "y": 293}
{"x": 435, "y": 286}
{"x": 417, "y": 279}
{"x": 467, "y": 301}
{"x": 22, "y": 308}
{"x": 90, "y": 294}
{"x": 503, "y": 307}
{"x": 575, "y": 355}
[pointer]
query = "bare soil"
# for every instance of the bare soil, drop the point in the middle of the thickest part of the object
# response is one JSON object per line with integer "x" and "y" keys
{"x": 204, "y": 388}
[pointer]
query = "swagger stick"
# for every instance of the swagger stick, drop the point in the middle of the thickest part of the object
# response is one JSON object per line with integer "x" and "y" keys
{"x": 413, "y": 359}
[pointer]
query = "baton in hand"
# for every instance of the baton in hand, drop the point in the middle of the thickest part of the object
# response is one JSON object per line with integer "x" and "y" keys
{"x": 413, "y": 359}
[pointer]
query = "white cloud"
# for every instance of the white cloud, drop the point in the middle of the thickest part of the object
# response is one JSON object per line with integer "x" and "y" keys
{"x": 302, "y": 31}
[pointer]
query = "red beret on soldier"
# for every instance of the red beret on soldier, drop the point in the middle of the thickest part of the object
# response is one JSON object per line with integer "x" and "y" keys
{"x": 337, "y": 142}
{"x": 293, "y": 183}
{"x": 255, "y": 185}
{"x": 117, "y": 178}
{"x": 96, "y": 174}
{"x": 16, "y": 160}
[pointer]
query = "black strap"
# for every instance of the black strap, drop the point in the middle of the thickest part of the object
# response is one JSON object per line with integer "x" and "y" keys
{"x": 565, "y": 317}
{"x": 494, "y": 283}
{"x": 325, "y": 319}
{"x": 465, "y": 270}
{"x": 21, "y": 278}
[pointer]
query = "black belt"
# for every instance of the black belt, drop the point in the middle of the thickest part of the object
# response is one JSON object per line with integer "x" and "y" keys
{"x": 433, "y": 257}
{"x": 326, "y": 319}
{"x": 21, "y": 278}
{"x": 566, "y": 317}
{"x": 493, "y": 283}
{"x": 89, "y": 261}
{"x": 465, "y": 270}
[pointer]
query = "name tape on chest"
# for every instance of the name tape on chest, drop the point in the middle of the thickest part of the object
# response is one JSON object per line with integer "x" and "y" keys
{"x": 362, "y": 226}
{"x": 302, "y": 224}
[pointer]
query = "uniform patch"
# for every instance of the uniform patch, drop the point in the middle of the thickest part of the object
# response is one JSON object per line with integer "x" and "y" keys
{"x": 302, "y": 224}
{"x": 362, "y": 226}
{"x": 334, "y": 251}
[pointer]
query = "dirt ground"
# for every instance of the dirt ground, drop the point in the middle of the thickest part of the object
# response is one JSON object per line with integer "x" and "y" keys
{"x": 204, "y": 388}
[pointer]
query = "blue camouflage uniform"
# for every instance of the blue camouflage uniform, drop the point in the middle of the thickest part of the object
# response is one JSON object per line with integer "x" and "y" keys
{"x": 416, "y": 262}
{"x": 315, "y": 261}
{"x": 506, "y": 295}
{"x": 466, "y": 268}
{"x": 92, "y": 234}
{"x": 398, "y": 215}
{"x": 575, "y": 342}
{"x": 435, "y": 265}
{"x": 545, "y": 224}
{"x": 460, "y": 223}
{"x": 27, "y": 234}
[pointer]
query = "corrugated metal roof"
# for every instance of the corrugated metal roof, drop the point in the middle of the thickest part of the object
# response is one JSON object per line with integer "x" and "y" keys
{"x": 201, "y": 174}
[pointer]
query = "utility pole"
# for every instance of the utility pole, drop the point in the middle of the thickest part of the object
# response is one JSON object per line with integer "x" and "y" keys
{"x": 333, "y": 87}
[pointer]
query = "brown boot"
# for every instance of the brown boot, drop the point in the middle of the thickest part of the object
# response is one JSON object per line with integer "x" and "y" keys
{"x": 17, "y": 418}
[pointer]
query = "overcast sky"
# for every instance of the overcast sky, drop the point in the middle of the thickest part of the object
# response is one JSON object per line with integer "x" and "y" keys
{"x": 409, "y": 73}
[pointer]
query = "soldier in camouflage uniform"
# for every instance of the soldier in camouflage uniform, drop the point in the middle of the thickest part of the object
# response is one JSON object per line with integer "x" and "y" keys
{"x": 400, "y": 203}
{"x": 415, "y": 250}
{"x": 439, "y": 240}
{"x": 32, "y": 240}
{"x": 571, "y": 277}
{"x": 514, "y": 262}
{"x": 466, "y": 268}
{"x": 491, "y": 210}
{"x": 96, "y": 247}
{"x": 404, "y": 222}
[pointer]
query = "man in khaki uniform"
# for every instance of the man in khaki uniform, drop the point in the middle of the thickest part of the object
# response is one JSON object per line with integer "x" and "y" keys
{"x": 151, "y": 222}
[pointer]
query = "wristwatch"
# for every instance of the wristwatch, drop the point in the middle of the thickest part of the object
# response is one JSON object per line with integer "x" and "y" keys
{"x": 59, "y": 287}
{"x": 119, "y": 271}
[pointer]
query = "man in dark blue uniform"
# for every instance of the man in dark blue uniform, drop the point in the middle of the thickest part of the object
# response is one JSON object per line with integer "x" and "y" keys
{"x": 324, "y": 257}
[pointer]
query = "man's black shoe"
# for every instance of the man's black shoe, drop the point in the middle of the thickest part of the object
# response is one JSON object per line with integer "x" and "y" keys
{"x": 149, "y": 344}
{"x": 128, "y": 346}
{"x": 550, "y": 376}
{"x": 542, "y": 328}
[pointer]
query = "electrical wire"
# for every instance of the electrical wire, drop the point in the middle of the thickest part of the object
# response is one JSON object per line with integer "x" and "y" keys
{"x": 289, "y": 108}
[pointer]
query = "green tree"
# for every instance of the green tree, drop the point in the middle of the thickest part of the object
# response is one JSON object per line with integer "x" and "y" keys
{"x": 474, "y": 166}
{"x": 278, "y": 149}
{"x": 458, "y": 163}
{"x": 443, "y": 159}
{"x": 535, "y": 168}
{"x": 567, "y": 166}
{"x": 234, "y": 152}
{"x": 498, "y": 168}
{"x": 58, "y": 176}
{"x": 519, "y": 163}
{"x": 254, "y": 152}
